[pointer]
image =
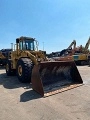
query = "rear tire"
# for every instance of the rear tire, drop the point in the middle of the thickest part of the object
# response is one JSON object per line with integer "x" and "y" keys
{"x": 24, "y": 70}
{"x": 4, "y": 62}
{"x": 0, "y": 61}
{"x": 8, "y": 68}
{"x": 89, "y": 63}
{"x": 9, "y": 71}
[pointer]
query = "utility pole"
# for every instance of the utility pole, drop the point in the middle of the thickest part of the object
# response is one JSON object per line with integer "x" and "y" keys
{"x": 12, "y": 46}
{"x": 43, "y": 46}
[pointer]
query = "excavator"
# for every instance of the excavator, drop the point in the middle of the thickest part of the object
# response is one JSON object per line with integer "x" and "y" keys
{"x": 69, "y": 50}
{"x": 47, "y": 77}
{"x": 82, "y": 56}
{"x": 65, "y": 54}
{"x": 79, "y": 54}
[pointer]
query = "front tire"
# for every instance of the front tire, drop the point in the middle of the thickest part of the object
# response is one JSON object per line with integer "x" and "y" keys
{"x": 24, "y": 70}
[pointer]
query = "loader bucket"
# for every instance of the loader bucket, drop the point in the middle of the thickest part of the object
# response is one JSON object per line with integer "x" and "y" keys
{"x": 50, "y": 78}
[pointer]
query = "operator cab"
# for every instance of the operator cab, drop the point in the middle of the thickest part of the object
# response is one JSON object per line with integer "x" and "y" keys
{"x": 27, "y": 43}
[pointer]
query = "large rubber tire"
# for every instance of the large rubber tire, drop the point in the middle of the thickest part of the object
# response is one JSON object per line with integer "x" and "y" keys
{"x": 24, "y": 70}
{"x": 9, "y": 71}
{"x": 89, "y": 63}
{"x": 4, "y": 62}
{"x": 0, "y": 61}
{"x": 8, "y": 68}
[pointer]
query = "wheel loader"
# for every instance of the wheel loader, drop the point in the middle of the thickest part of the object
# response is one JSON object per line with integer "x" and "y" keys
{"x": 4, "y": 55}
{"x": 2, "y": 58}
{"x": 32, "y": 65}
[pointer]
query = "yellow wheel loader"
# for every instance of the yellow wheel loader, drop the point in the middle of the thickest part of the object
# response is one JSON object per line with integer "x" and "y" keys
{"x": 2, "y": 58}
{"x": 47, "y": 77}
{"x": 23, "y": 58}
{"x": 4, "y": 55}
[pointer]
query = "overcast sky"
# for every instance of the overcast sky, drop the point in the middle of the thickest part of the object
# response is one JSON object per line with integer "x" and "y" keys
{"x": 54, "y": 23}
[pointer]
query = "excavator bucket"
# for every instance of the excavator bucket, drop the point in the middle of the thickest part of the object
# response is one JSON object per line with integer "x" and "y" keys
{"x": 50, "y": 78}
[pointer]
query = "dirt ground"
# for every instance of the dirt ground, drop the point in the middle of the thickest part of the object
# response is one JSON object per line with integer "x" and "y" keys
{"x": 19, "y": 102}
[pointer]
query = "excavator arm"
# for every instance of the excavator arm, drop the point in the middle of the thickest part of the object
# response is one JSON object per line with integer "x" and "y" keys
{"x": 73, "y": 43}
{"x": 87, "y": 44}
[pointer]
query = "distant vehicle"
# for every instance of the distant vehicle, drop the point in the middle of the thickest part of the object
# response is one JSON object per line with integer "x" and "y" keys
{"x": 4, "y": 55}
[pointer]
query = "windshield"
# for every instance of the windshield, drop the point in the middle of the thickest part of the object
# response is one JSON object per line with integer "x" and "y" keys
{"x": 27, "y": 45}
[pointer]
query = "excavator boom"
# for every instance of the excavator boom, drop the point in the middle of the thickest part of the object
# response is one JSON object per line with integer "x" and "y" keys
{"x": 87, "y": 44}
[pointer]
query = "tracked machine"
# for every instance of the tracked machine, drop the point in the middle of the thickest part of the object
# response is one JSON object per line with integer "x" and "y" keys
{"x": 82, "y": 56}
{"x": 65, "y": 54}
{"x": 32, "y": 65}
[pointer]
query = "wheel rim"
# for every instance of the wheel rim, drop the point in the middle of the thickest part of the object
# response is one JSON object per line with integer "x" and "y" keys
{"x": 20, "y": 70}
{"x": 7, "y": 67}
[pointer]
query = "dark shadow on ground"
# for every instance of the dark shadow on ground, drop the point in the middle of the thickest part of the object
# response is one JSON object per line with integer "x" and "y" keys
{"x": 11, "y": 82}
{"x": 29, "y": 95}
{"x": 82, "y": 64}
{"x": 2, "y": 67}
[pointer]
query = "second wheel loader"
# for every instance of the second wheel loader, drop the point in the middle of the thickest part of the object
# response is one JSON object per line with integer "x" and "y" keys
{"x": 47, "y": 77}
{"x": 4, "y": 55}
